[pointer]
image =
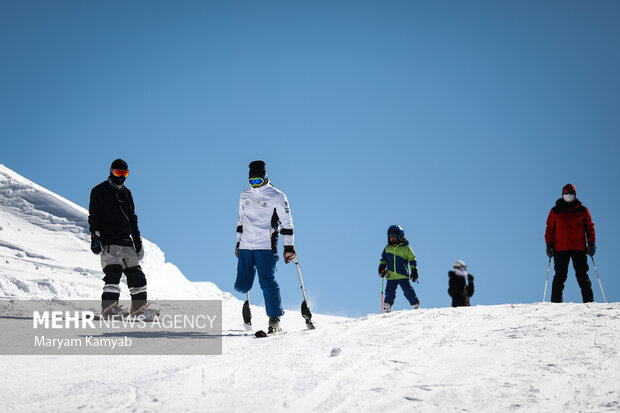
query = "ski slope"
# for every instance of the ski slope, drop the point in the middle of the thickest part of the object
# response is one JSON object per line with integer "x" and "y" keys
{"x": 535, "y": 358}
{"x": 532, "y": 357}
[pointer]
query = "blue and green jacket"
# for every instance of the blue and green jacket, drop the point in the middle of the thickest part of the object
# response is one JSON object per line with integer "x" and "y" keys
{"x": 395, "y": 259}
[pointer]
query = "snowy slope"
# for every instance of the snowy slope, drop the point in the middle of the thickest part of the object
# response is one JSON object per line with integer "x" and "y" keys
{"x": 45, "y": 250}
{"x": 536, "y": 357}
{"x": 531, "y": 358}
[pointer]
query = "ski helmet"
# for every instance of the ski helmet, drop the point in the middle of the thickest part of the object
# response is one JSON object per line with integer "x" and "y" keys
{"x": 460, "y": 265}
{"x": 397, "y": 231}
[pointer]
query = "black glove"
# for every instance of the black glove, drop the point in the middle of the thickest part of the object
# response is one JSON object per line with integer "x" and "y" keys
{"x": 95, "y": 244}
{"x": 414, "y": 274}
{"x": 591, "y": 249}
{"x": 237, "y": 250}
{"x": 137, "y": 243}
{"x": 289, "y": 253}
{"x": 382, "y": 270}
{"x": 550, "y": 250}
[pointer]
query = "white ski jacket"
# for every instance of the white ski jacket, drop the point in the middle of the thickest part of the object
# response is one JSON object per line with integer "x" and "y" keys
{"x": 261, "y": 213}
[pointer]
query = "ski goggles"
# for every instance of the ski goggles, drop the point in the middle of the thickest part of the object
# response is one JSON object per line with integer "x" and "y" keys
{"x": 254, "y": 182}
{"x": 120, "y": 172}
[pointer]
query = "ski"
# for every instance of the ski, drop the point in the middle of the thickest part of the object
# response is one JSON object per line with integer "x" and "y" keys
{"x": 307, "y": 315}
{"x": 262, "y": 333}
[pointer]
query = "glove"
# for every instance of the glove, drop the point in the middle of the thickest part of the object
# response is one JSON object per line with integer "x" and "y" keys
{"x": 237, "y": 250}
{"x": 289, "y": 253}
{"x": 381, "y": 270}
{"x": 550, "y": 250}
{"x": 591, "y": 249}
{"x": 139, "y": 250}
{"x": 95, "y": 244}
{"x": 414, "y": 274}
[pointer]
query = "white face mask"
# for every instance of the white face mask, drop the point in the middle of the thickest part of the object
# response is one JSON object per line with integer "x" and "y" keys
{"x": 568, "y": 198}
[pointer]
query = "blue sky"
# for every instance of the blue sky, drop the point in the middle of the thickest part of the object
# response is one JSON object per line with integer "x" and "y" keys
{"x": 460, "y": 121}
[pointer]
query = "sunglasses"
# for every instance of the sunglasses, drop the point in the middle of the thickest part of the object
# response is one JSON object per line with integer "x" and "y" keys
{"x": 120, "y": 172}
{"x": 254, "y": 182}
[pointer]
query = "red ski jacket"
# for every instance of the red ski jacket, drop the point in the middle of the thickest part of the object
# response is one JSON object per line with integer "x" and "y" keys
{"x": 568, "y": 225}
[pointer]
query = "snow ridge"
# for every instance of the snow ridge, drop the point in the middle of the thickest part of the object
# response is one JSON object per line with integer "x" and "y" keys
{"x": 45, "y": 251}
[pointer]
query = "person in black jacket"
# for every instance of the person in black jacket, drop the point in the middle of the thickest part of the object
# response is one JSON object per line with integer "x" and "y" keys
{"x": 115, "y": 235}
{"x": 461, "y": 285}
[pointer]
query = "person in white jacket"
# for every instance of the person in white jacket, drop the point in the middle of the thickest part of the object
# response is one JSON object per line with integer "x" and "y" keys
{"x": 264, "y": 213}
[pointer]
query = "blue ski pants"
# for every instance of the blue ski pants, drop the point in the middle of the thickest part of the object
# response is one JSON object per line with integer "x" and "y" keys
{"x": 390, "y": 291}
{"x": 263, "y": 261}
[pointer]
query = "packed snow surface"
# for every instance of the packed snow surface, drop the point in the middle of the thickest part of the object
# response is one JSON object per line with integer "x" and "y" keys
{"x": 526, "y": 357}
{"x": 535, "y": 357}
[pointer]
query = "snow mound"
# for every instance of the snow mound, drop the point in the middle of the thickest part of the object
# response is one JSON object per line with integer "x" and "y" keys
{"x": 45, "y": 251}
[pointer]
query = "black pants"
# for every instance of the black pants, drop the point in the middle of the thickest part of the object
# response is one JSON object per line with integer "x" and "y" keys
{"x": 580, "y": 263}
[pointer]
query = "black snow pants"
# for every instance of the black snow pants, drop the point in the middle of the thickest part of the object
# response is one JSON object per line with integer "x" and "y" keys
{"x": 580, "y": 263}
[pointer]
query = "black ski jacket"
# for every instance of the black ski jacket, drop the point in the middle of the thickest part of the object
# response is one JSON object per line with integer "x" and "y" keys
{"x": 112, "y": 213}
{"x": 458, "y": 291}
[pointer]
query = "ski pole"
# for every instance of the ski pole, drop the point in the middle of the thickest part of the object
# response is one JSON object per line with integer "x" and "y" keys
{"x": 599, "y": 279}
{"x": 382, "y": 295}
{"x": 305, "y": 311}
{"x": 547, "y": 280}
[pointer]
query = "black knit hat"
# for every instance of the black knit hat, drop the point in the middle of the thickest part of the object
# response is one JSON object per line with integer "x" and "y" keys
{"x": 569, "y": 189}
{"x": 119, "y": 164}
{"x": 257, "y": 169}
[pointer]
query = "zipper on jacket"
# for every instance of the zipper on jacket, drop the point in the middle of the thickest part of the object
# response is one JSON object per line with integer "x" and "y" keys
{"x": 394, "y": 253}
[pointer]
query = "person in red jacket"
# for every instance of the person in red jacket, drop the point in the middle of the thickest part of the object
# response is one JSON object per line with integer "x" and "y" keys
{"x": 569, "y": 228}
